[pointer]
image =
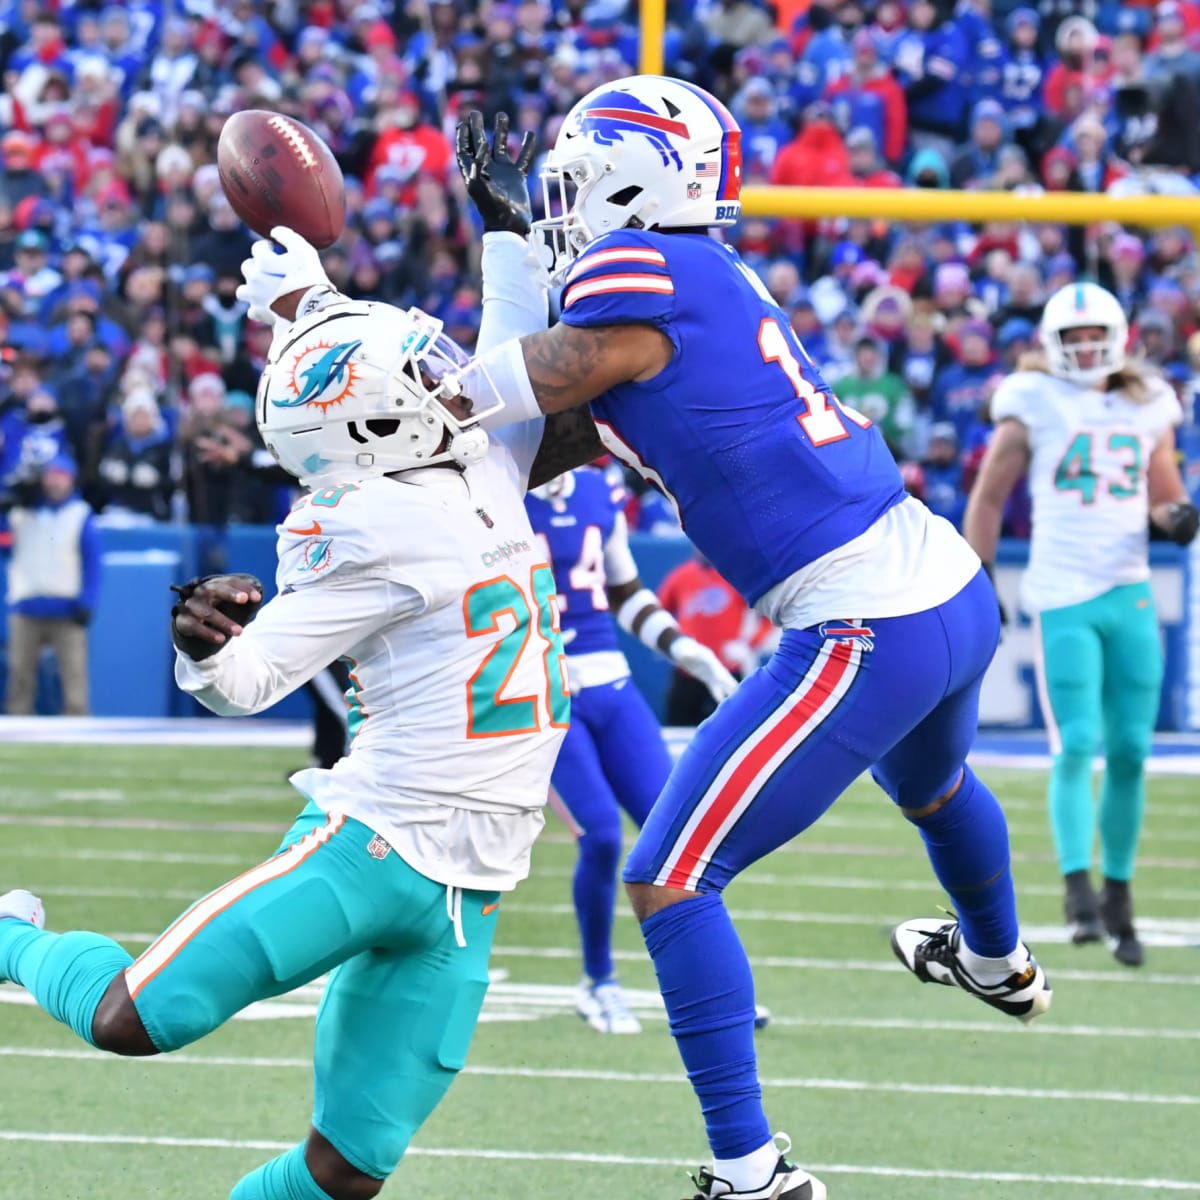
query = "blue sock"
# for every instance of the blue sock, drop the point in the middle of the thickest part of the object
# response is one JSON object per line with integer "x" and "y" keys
{"x": 967, "y": 841}
{"x": 705, "y": 980}
{"x": 595, "y": 894}
{"x": 284, "y": 1178}
{"x": 66, "y": 973}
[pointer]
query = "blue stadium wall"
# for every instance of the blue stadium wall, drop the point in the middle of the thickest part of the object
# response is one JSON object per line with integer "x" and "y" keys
{"x": 131, "y": 656}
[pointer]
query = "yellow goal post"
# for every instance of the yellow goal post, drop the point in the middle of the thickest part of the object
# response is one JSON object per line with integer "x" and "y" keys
{"x": 922, "y": 205}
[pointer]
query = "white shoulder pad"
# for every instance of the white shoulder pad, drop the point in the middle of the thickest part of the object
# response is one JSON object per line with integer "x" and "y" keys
{"x": 1019, "y": 396}
{"x": 1164, "y": 404}
{"x": 376, "y": 529}
{"x": 326, "y": 534}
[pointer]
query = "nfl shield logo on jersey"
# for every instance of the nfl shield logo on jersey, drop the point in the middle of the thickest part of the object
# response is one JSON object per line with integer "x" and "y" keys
{"x": 378, "y": 848}
{"x": 693, "y": 191}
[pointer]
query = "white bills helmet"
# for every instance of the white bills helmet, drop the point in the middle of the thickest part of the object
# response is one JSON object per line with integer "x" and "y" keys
{"x": 645, "y": 152}
{"x": 357, "y": 389}
{"x": 1084, "y": 305}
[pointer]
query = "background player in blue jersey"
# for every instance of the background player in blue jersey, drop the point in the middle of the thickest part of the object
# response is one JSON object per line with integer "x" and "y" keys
{"x": 613, "y": 756}
{"x": 695, "y": 378}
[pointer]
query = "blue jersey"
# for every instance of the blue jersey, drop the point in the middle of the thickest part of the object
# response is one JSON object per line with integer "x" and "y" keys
{"x": 765, "y": 469}
{"x": 574, "y": 529}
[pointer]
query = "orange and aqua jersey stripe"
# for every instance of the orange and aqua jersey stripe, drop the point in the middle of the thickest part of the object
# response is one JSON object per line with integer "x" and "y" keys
{"x": 355, "y": 713}
{"x": 156, "y": 957}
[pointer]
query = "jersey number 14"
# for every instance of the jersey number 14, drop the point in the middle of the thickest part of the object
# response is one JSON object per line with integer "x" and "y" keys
{"x": 490, "y": 711}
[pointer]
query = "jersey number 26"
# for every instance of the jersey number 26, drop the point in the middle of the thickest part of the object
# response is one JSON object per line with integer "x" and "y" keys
{"x": 490, "y": 712}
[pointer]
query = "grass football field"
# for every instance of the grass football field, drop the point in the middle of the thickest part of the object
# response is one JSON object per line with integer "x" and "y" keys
{"x": 890, "y": 1090}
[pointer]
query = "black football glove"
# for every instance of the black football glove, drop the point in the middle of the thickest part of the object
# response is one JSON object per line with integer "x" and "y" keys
{"x": 1183, "y": 520}
{"x": 991, "y": 574}
{"x": 495, "y": 182}
{"x": 208, "y": 612}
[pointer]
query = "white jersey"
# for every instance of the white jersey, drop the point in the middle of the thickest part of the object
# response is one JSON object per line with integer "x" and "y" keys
{"x": 1087, "y": 481}
{"x": 909, "y": 561}
{"x": 432, "y": 586}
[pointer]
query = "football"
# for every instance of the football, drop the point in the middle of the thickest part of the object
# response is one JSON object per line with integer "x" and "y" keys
{"x": 277, "y": 171}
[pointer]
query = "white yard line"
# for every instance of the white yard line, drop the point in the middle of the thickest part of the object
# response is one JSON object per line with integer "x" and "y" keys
{"x": 1160, "y": 932}
{"x": 807, "y": 1083}
{"x": 609, "y": 1160}
{"x": 824, "y": 964}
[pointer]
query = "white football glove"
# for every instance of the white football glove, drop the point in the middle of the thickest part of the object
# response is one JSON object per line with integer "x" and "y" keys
{"x": 701, "y": 663}
{"x": 271, "y": 272}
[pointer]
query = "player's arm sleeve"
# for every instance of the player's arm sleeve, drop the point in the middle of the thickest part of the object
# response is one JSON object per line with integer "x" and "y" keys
{"x": 515, "y": 291}
{"x": 292, "y": 638}
{"x": 515, "y": 302}
{"x": 619, "y": 566}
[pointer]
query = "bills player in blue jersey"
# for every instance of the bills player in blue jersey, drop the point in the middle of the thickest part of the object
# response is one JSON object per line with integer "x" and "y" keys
{"x": 613, "y": 756}
{"x": 695, "y": 379}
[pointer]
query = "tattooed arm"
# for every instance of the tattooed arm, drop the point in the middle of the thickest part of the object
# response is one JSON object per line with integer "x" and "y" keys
{"x": 569, "y": 365}
{"x": 569, "y": 440}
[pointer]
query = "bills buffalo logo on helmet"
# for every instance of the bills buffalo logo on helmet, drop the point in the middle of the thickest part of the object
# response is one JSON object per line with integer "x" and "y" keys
{"x": 617, "y": 114}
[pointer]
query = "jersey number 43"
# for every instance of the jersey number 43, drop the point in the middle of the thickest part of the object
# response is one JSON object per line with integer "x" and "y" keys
{"x": 527, "y": 660}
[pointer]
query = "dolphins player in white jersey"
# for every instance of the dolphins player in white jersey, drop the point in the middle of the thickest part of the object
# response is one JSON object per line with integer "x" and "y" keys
{"x": 411, "y": 556}
{"x": 1096, "y": 433}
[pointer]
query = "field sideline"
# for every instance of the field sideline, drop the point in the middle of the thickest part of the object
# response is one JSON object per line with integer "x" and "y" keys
{"x": 889, "y": 1090}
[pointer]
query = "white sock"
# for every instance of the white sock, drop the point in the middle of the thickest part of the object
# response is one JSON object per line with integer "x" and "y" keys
{"x": 751, "y": 1171}
{"x": 993, "y": 970}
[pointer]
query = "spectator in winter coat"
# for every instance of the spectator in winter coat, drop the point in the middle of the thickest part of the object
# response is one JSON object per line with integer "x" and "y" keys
{"x": 943, "y": 472}
{"x": 134, "y": 472}
{"x": 1173, "y": 55}
{"x": 930, "y": 63}
{"x": 962, "y": 389}
{"x": 866, "y": 166}
{"x": 53, "y": 584}
{"x": 1022, "y": 75}
{"x": 20, "y": 177}
{"x": 977, "y": 161}
{"x": 763, "y": 132}
{"x": 878, "y": 394}
{"x": 816, "y": 156}
{"x": 869, "y": 96}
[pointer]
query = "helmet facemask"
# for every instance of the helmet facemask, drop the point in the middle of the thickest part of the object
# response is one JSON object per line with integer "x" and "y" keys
{"x": 1064, "y": 356}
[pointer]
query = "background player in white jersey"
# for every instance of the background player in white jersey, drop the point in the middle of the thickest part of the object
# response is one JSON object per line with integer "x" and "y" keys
{"x": 614, "y": 756}
{"x": 412, "y": 557}
{"x": 1097, "y": 436}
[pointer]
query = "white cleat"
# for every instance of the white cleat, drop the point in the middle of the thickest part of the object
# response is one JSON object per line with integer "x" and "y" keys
{"x": 20, "y": 905}
{"x": 789, "y": 1182}
{"x": 603, "y": 1007}
{"x": 929, "y": 948}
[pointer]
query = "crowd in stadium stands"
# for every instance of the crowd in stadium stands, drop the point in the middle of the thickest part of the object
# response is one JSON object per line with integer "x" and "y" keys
{"x": 125, "y": 350}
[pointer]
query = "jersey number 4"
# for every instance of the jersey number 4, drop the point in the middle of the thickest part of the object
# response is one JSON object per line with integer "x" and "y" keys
{"x": 490, "y": 712}
{"x": 821, "y": 419}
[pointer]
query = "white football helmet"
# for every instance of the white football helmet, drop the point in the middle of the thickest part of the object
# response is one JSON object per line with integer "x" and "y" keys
{"x": 645, "y": 152}
{"x": 356, "y": 389}
{"x": 1081, "y": 305}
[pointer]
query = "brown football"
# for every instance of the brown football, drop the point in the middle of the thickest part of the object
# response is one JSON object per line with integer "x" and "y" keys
{"x": 276, "y": 171}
